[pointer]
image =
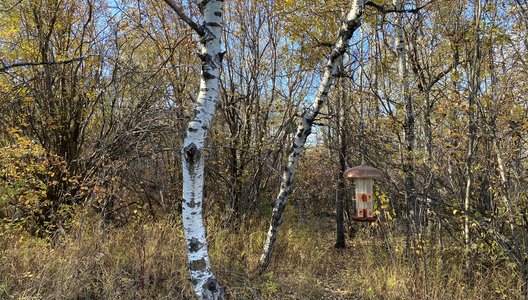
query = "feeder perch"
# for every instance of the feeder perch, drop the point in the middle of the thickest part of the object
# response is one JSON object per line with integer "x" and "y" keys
{"x": 363, "y": 177}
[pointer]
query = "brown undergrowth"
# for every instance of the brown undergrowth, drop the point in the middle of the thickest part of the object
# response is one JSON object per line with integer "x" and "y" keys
{"x": 146, "y": 260}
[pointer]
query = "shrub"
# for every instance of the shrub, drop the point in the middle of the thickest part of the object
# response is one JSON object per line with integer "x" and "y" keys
{"x": 36, "y": 190}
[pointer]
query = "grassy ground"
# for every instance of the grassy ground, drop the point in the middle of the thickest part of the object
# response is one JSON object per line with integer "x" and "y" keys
{"x": 147, "y": 261}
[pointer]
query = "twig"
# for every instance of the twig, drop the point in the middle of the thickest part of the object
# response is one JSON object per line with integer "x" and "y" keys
{"x": 5, "y": 68}
{"x": 391, "y": 9}
{"x": 185, "y": 18}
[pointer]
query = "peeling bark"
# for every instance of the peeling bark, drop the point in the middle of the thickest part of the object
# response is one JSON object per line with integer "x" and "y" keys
{"x": 349, "y": 26}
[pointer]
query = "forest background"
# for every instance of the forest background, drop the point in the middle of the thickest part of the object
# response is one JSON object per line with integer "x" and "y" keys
{"x": 95, "y": 101}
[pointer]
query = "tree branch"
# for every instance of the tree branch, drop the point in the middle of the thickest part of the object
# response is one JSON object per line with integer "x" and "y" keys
{"x": 185, "y": 18}
{"x": 5, "y": 68}
{"x": 391, "y": 9}
{"x": 452, "y": 66}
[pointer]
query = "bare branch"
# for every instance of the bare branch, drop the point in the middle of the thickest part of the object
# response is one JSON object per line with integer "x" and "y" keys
{"x": 391, "y": 9}
{"x": 185, "y": 18}
{"x": 6, "y": 68}
{"x": 452, "y": 66}
{"x": 6, "y": 9}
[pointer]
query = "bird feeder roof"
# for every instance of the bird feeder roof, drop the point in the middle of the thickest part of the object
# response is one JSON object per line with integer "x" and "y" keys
{"x": 363, "y": 171}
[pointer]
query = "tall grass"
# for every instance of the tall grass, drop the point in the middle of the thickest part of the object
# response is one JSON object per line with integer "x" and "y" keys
{"x": 146, "y": 260}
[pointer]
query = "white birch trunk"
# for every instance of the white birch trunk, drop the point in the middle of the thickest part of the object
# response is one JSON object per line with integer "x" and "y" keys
{"x": 406, "y": 100}
{"x": 203, "y": 280}
{"x": 505, "y": 195}
{"x": 474, "y": 73}
{"x": 349, "y": 26}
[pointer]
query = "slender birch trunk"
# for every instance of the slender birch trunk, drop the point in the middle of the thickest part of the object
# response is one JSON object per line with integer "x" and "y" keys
{"x": 349, "y": 26}
{"x": 408, "y": 168}
{"x": 192, "y": 154}
{"x": 474, "y": 73}
{"x": 504, "y": 184}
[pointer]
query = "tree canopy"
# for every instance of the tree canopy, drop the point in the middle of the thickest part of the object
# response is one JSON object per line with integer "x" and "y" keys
{"x": 173, "y": 118}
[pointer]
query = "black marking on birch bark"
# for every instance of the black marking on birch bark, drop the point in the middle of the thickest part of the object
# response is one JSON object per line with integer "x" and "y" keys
{"x": 202, "y": 5}
{"x": 191, "y": 129}
{"x": 204, "y": 57}
{"x": 193, "y": 204}
{"x": 204, "y": 39}
{"x": 196, "y": 265}
{"x": 191, "y": 152}
{"x": 350, "y": 31}
{"x": 204, "y": 127}
{"x": 208, "y": 37}
{"x": 195, "y": 245}
{"x": 212, "y": 24}
{"x": 218, "y": 13}
{"x": 212, "y": 286}
{"x": 333, "y": 56}
{"x": 221, "y": 55}
{"x": 208, "y": 76}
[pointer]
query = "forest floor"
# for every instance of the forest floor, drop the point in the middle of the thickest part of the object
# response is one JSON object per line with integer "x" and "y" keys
{"x": 146, "y": 260}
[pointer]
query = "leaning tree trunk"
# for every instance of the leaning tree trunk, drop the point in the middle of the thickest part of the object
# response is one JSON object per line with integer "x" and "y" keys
{"x": 203, "y": 280}
{"x": 352, "y": 22}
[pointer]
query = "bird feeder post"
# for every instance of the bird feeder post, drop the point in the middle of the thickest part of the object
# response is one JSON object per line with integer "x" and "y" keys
{"x": 363, "y": 177}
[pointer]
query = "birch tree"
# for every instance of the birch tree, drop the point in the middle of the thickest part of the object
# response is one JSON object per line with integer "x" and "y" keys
{"x": 203, "y": 280}
{"x": 473, "y": 82}
{"x": 348, "y": 27}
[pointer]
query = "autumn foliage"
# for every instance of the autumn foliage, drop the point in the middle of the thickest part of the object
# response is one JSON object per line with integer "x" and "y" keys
{"x": 96, "y": 96}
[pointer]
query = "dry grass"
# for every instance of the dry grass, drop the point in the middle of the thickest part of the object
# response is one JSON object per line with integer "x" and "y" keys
{"x": 147, "y": 261}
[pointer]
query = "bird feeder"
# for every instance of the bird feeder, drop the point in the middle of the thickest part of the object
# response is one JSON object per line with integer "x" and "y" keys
{"x": 363, "y": 177}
